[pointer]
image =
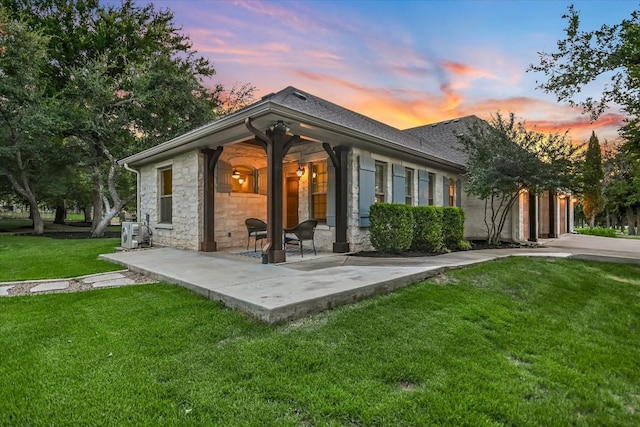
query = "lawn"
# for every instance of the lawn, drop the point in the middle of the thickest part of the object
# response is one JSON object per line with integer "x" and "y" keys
{"x": 522, "y": 342}
{"x": 27, "y": 257}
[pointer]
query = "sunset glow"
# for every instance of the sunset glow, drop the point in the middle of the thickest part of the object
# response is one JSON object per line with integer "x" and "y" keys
{"x": 403, "y": 63}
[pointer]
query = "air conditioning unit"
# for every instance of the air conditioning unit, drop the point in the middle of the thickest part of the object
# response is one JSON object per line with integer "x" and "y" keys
{"x": 129, "y": 237}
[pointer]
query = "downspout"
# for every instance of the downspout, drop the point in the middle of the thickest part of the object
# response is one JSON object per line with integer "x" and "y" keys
{"x": 137, "y": 172}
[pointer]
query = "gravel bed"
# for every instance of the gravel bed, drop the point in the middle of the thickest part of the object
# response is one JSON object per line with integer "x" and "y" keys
{"x": 75, "y": 285}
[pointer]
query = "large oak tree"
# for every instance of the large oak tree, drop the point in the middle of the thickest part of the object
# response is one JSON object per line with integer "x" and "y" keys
{"x": 126, "y": 78}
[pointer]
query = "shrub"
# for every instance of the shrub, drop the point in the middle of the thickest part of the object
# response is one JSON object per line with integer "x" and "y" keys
{"x": 452, "y": 227}
{"x": 463, "y": 245}
{"x": 427, "y": 229}
{"x": 391, "y": 227}
{"x": 598, "y": 231}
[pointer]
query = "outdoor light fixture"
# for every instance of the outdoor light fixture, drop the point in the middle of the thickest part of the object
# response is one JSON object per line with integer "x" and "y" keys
{"x": 300, "y": 171}
{"x": 235, "y": 174}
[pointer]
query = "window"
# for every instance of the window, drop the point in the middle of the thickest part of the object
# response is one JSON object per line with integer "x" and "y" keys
{"x": 166, "y": 194}
{"x": 319, "y": 178}
{"x": 244, "y": 180}
{"x": 432, "y": 187}
{"x": 452, "y": 192}
{"x": 381, "y": 181}
{"x": 408, "y": 186}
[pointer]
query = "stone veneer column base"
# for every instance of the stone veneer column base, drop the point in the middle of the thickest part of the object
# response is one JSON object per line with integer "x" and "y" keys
{"x": 208, "y": 247}
{"x": 340, "y": 248}
{"x": 277, "y": 256}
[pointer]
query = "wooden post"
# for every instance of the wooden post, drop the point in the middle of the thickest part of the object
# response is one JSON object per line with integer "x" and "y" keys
{"x": 533, "y": 217}
{"x": 338, "y": 156}
{"x": 208, "y": 244}
{"x": 552, "y": 215}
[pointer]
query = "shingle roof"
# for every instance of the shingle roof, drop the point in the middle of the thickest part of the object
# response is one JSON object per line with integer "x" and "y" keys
{"x": 442, "y": 139}
{"x": 437, "y": 140}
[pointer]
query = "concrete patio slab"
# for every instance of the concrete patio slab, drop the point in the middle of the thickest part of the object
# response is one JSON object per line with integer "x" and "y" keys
{"x": 4, "y": 290}
{"x": 50, "y": 286}
{"x": 283, "y": 292}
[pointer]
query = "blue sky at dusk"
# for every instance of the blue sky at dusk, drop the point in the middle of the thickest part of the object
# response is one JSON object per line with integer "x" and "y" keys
{"x": 405, "y": 63}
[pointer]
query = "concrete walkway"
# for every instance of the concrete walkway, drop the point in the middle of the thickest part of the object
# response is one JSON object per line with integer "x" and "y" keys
{"x": 278, "y": 293}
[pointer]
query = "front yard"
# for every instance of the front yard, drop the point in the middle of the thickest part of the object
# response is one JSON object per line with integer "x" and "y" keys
{"x": 515, "y": 342}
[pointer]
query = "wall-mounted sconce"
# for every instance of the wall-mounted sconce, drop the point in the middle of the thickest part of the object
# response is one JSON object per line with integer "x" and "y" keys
{"x": 235, "y": 174}
{"x": 241, "y": 180}
{"x": 300, "y": 171}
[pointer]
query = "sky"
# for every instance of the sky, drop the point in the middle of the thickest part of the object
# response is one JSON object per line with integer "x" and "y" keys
{"x": 404, "y": 63}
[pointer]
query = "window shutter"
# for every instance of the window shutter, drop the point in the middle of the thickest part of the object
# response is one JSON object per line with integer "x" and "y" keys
{"x": 262, "y": 181}
{"x": 398, "y": 182}
{"x": 423, "y": 188}
{"x": 459, "y": 193}
{"x": 331, "y": 195}
{"x": 366, "y": 187}
{"x": 445, "y": 191}
{"x": 223, "y": 177}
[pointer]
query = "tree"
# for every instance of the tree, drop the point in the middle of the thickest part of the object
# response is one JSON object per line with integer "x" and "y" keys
{"x": 30, "y": 153}
{"x": 585, "y": 56}
{"x": 621, "y": 184}
{"x": 505, "y": 158}
{"x": 127, "y": 79}
{"x": 592, "y": 177}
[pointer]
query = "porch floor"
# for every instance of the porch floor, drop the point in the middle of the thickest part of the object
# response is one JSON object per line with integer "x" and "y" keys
{"x": 310, "y": 284}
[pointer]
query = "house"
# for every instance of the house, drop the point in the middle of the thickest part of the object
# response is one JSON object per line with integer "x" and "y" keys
{"x": 293, "y": 156}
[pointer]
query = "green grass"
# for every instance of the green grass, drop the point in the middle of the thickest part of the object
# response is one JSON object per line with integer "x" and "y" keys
{"x": 523, "y": 342}
{"x": 26, "y": 257}
{"x": 598, "y": 231}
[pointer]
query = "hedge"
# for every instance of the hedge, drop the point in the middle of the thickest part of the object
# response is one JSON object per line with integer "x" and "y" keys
{"x": 391, "y": 227}
{"x": 395, "y": 228}
{"x": 452, "y": 227}
{"x": 427, "y": 229}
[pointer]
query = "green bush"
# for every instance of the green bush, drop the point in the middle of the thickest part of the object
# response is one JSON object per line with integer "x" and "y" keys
{"x": 598, "y": 231}
{"x": 427, "y": 229}
{"x": 452, "y": 227}
{"x": 391, "y": 227}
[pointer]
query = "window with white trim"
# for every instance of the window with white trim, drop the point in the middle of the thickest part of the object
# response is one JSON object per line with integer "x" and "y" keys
{"x": 408, "y": 186}
{"x": 166, "y": 195}
{"x": 381, "y": 182}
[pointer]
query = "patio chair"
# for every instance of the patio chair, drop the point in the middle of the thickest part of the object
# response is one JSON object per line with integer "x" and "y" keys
{"x": 303, "y": 231}
{"x": 257, "y": 229}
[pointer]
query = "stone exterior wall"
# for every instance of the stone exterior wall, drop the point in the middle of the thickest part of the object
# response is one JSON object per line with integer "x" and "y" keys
{"x": 233, "y": 208}
{"x": 183, "y": 232}
{"x": 474, "y": 225}
{"x": 359, "y": 236}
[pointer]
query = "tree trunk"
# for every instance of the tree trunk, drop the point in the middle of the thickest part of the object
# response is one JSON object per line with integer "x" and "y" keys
{"x": 86, "y": 210}
{"x": 34, "y": 214}
{"x": 97, "y": 209}
{"x": 61, "y": 215}
{"x": 631, "y": 221}
{"x": 106, "y": 220}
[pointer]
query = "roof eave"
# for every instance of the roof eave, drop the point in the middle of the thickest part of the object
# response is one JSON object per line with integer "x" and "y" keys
{"x": 183, "y": 143}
